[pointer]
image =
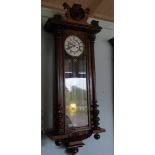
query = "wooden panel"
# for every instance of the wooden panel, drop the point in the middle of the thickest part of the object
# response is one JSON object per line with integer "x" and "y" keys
{"x": 102, "y": 9}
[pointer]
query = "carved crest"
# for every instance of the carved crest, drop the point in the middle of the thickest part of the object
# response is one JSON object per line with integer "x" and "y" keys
{"x": 76, "y": 14}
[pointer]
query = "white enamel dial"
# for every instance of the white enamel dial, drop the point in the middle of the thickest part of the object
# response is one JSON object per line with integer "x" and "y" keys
{"x": 74, "y": 46}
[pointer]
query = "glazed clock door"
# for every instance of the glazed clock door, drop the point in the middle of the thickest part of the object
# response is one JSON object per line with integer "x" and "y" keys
{"x": 75, "y": 81}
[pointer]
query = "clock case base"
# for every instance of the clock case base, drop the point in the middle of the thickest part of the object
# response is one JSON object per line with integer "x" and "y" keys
{"x": 73, "y": 140}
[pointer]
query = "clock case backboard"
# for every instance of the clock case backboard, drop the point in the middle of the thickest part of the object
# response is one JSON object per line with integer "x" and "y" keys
{"x": 72, "y": 138}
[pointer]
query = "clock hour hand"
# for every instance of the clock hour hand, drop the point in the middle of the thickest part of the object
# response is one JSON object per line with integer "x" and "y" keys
{"x": 70, "y": 45}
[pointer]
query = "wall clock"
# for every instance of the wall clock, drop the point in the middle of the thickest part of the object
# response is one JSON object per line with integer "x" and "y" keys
{"x": 76, "y": 114}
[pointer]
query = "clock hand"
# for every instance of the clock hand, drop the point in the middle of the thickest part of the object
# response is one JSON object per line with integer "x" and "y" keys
{"x": 69, "y": 47}
{"x": 70, "y": 43}
{"x": 74, "y": 43}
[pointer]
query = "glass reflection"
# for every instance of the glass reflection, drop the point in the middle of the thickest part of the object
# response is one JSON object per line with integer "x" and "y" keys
{"x": 76, "y": 93}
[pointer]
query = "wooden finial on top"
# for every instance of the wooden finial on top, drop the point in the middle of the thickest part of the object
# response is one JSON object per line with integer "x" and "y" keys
{"x": 76, "y": 14}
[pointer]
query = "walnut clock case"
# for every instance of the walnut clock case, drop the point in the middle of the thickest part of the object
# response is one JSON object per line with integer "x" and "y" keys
{"x": 76, "y": 114}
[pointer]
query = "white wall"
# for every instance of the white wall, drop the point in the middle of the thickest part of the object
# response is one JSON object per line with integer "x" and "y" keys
{"x": 104, "y": 88}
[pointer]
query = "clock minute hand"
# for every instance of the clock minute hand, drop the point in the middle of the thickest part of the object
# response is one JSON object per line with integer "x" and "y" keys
{"x": 70, "y": 45}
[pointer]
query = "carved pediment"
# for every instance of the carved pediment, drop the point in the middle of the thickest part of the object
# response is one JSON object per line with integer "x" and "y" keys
{"x": 76, "y": 14}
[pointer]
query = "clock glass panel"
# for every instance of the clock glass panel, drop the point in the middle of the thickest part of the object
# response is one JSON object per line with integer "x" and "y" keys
{"x": 75, "y": 83}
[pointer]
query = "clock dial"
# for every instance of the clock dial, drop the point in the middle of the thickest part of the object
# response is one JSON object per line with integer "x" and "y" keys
{"x": 74, "y": 46}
